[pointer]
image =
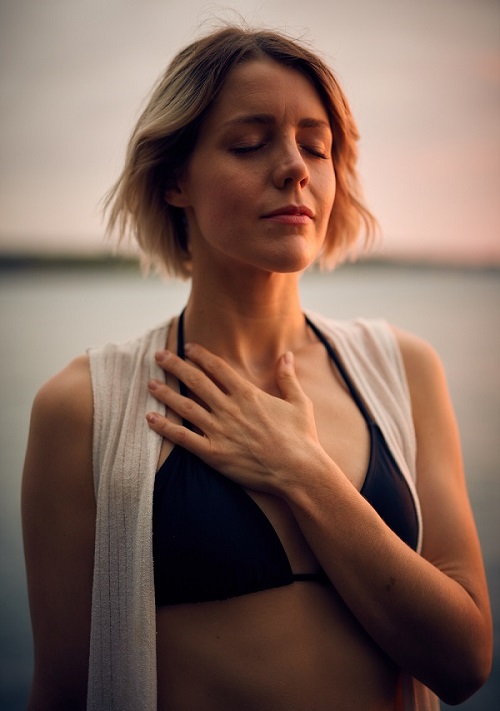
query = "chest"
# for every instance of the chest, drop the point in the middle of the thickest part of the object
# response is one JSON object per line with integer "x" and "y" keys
{"x": 343, "y": 433}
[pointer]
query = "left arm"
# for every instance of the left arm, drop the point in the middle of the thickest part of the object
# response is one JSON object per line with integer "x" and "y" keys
{"x": 429, "y": 613}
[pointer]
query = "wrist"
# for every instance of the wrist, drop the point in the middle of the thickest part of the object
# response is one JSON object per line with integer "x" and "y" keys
{"x": 307, "y": 476}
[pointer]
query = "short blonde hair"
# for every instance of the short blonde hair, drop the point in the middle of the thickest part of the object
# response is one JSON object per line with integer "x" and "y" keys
{"x": 166, "y": 133}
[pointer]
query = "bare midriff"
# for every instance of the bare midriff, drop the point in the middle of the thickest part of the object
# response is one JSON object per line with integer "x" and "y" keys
{"x": 296, "y": 647}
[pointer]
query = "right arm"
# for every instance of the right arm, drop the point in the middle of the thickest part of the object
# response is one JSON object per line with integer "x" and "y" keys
{"x": 58, "y": 511}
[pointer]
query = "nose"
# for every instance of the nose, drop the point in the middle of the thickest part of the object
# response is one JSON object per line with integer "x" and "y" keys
{"x": 290, "y": 168}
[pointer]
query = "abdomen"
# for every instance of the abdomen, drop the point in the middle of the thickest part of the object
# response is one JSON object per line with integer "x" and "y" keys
{"x": 296, "y": 647}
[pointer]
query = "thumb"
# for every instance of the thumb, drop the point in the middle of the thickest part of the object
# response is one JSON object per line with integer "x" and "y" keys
{"x": 286, "y": 378}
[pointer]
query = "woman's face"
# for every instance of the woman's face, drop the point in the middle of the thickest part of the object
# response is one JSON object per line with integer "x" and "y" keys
{"x": 259, "y": 187}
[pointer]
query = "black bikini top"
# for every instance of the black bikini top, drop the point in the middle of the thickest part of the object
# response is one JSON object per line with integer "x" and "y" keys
{"x": 211, "y": 540}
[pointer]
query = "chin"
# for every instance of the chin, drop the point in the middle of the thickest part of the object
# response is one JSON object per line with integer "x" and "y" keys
{"x": 293, "y": 261}
{"x": 281, "y": 259}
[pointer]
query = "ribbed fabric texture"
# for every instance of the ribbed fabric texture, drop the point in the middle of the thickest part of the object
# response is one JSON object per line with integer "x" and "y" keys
{"x": 122, "y": 671}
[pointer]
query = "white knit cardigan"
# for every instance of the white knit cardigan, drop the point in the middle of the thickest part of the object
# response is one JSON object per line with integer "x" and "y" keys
{"x": 122, "y": 670}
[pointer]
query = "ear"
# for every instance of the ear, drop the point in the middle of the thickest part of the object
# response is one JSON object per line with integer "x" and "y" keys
{"x": 176, "y": 195}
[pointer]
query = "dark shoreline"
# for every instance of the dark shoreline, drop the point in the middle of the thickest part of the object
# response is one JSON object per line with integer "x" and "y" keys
{"x": 20, "y": 262}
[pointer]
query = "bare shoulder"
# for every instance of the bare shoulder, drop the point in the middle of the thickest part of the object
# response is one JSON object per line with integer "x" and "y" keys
{"x": 424, "y": 372}
{"x": 67, "y": 397}
{"x": 419, "y": 356}
{"x": 58, "y": 507}
{"x": 59, "y": 454}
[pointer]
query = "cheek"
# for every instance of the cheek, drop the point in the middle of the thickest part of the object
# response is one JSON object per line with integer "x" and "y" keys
{"x": 330, "y": 185}
{"x": 326, "y": 191}
{"x": 227, "y": 198}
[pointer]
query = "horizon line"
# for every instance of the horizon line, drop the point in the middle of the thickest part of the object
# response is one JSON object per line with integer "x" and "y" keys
{"x": 12, "y": 260}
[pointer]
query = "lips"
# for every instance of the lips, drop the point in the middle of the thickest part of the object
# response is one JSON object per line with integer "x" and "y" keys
{"x": 291, "y": 210}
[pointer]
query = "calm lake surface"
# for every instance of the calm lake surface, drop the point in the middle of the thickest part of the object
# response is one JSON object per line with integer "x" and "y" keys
{"x": 49, "y": 316}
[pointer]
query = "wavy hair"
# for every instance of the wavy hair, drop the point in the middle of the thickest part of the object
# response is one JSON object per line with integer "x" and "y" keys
{"x": 166, "y": 132}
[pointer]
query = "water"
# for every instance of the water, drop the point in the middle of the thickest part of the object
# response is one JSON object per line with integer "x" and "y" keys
{"x": 48, "y": 317}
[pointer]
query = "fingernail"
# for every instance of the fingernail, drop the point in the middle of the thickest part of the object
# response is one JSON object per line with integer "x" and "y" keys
{"x": 161, "y": 356}
{"x": 151, "y": 418}
{"x": 289, "y": 358}
{"x": 187, "y": 347}
{"x": 153, "y": 384}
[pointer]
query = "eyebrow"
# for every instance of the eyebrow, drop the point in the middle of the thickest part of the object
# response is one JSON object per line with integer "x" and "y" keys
{"x": 269, "y": 120}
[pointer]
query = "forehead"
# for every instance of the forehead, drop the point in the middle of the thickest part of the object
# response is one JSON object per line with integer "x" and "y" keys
{"x": 265, "y": 86}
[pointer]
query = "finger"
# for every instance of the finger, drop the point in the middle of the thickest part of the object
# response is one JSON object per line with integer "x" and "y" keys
{"x": 194, "y": 379}
{"x": 286, "y": 378}
{"x": 185, "y": 407}
{"x": 219, "y": 371}
{"x": 178, "y": 434}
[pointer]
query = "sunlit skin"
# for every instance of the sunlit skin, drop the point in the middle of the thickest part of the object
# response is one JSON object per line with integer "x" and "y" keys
{"x": 272, "y": 413}
{"x": 268, "y": 143}
{"x": 264, "y": 146}
{"x": 264, "y": 150}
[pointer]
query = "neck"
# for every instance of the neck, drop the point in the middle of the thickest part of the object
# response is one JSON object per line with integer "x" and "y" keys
{"x": 249, "y": 320}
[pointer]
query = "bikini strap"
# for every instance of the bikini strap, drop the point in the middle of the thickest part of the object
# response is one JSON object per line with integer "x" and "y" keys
{"x": 180, "y": 334}
{"x": 180, "y": 352}
{"x": 330, "y": 350}
{"x": 343, "y": 372}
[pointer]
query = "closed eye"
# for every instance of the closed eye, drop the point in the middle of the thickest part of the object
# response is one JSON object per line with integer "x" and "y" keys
{"x": 241, "y": 150}
{"x": 316, "y": 152}
{"x": 254, "y": 147}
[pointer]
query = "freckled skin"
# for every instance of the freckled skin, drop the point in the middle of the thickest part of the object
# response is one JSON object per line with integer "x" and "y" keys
{"x": 242, "y": 170}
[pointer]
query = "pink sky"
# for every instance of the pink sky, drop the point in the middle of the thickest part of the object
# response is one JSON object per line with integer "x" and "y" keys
{"x": 423, "y": 79}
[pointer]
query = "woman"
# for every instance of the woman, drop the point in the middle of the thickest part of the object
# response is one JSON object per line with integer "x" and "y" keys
{"x": 280, "y": 514}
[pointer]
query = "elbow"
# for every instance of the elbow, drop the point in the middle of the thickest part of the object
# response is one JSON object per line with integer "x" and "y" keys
{"x": 467, "y": 663}
{"x": 462, "y": 691}
{"x": 467, "y": 677}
